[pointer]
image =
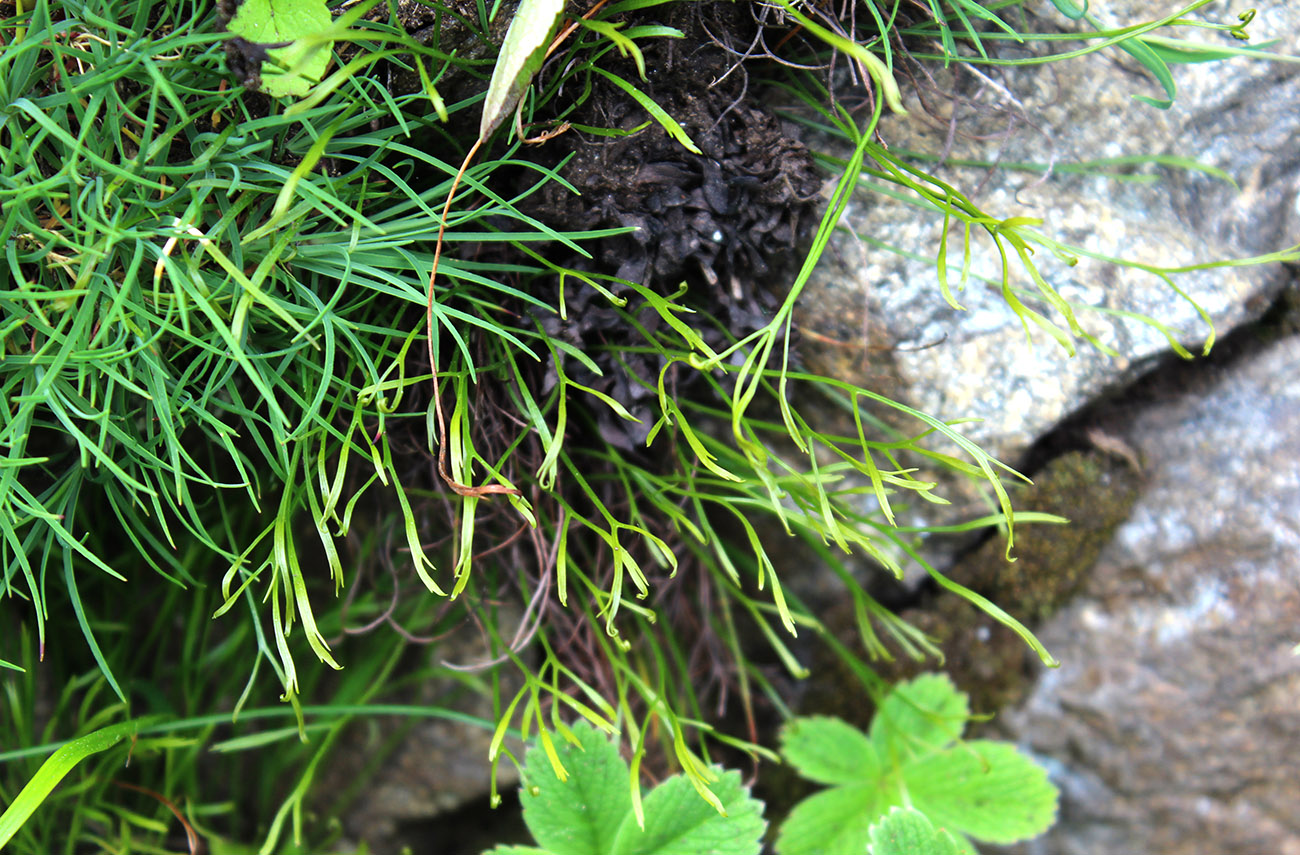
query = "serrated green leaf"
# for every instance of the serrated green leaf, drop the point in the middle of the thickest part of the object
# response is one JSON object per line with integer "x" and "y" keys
{"x": 590, "y": 812}
{"x": 516, "y": 850}
{"x": 905, "y": 831}
{"x": 521, "y": 55}
{"x": 919, "y": 716}
{"x": 832, "y": 822}
{"x": 981, "y": 789}
{"x": 830, "y": 751}
{"x": 679, "y": 822}
{"x": 271, "y": 22}
{"x": 987, "y": 790}
{"x": 582, "y": 814}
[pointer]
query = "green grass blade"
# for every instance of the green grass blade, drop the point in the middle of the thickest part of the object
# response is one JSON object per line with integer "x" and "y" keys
{"x": 54, "y": 770}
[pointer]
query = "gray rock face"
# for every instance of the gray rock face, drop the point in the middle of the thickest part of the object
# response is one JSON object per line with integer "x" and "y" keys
{"x": 1240, "y": 117}
{"x": 401, "y": 773}
{"x": 1172, "y": 724}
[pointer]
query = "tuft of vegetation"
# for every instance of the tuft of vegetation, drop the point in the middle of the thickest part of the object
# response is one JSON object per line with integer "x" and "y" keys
{"x": 256, "y": 458}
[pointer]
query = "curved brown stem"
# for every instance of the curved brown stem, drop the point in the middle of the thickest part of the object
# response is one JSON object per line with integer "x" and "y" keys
{"x": 443, "y": 470}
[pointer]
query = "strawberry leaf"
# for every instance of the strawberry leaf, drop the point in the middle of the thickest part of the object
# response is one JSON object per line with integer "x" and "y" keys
{"x": 913, "y": 758}
{"x": 679, "y": 822}
{"x": 286, "y": 31}
{"x": 830, "y": 751}
{"x": 919, "y": 716}
{"x": 589, "y": 811}
{"x": 905, "y": 831}
{"x": 580, "y": 815}
{"x": 832, "y": 822}
{"x": 985, "y": 789}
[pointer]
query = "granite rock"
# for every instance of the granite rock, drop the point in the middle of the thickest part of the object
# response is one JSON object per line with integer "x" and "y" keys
{"x": 1171, "y": 724}
{"x": 877, "y": 317}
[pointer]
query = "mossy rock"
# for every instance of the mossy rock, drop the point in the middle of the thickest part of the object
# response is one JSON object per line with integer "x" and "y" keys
{"x": 1096, "y": 492}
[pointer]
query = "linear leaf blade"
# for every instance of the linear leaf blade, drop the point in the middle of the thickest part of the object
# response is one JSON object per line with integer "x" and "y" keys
{"x": 54, "y": 770}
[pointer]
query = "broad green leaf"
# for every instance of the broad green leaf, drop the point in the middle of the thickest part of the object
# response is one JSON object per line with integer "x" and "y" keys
{"x": 300, "y": 23}
{"x": 590, "y": 812}
{"x": 521, "y": 55}
{"x": 54, "y": 769}
{"x": 516, "y": 850}
{"x": 987, "y": 790}
{"x": 905, "y": 831}
{"x": 679, "y": 822}
{"x": 580, "y": 815}
{"x": 832, "y": 822}
{"x": 913, "y": 758}
{"x": 919, "y": 716}
{"x": 830, "y": 751}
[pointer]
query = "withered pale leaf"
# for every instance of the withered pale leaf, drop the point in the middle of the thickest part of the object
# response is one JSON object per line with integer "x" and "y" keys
{"x": 521, "y": 55}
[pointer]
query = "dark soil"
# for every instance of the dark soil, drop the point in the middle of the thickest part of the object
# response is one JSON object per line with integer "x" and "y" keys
{"x": 731, "y": 219}
{"x": 730, "y": 222}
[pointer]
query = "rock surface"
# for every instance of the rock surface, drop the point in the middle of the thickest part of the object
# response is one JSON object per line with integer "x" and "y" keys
{"x": 400, "y": 774}
{"x": 1239, "y": 117}
{"x": 989, "y": 661}
{"x": 1172, "y": 724}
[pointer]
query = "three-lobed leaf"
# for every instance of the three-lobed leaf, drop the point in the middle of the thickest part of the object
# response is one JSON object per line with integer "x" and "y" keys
{"x": 913, "y": 756}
